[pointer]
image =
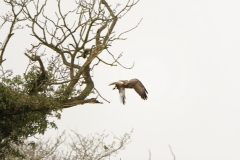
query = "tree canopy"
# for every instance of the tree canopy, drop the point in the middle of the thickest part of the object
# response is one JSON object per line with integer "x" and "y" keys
{"x": 67, "y": 49}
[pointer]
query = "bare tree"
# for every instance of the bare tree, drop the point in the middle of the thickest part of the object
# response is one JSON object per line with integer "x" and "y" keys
{"x": 75, "y": 44}
{"x": 41, "y": 148}
{"x": 78, "y": 147}
{"x": 67, "y": 48}
{"x": 95, "y": 147}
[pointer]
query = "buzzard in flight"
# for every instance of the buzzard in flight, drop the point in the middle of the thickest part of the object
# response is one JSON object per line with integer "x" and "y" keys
{"x": 133, "y": 83}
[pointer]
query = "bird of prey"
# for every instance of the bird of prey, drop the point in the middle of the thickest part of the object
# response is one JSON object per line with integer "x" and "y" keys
{"x": 133, "y": 83}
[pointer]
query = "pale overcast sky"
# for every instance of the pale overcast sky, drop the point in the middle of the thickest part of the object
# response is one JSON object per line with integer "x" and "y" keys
{"x": 187, "y": 54}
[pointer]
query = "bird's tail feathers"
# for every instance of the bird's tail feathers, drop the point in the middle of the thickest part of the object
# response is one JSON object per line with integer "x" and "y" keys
{"x": 122, "y": 95}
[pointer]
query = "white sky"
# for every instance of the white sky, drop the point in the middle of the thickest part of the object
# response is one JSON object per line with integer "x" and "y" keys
{"x": 186, "y": 53}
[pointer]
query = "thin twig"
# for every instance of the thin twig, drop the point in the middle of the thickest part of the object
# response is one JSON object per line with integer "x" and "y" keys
{"x": 106, "y": 62}
{"x": 130, "y": 29}
{"x": 100, "y": 95}
{"x": 149, "y": 154}
{"x": 116, "y": 60}
{"x": 172, "y": 152}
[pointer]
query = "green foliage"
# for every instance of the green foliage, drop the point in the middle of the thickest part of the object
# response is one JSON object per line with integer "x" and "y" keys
{"x": 34, "y": 78}
{"x": 19, "y": 114}
{"x": 26, "y": 102}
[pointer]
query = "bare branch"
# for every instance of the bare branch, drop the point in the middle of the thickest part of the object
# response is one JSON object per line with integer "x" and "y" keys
{"x": 127, "y": 31}
{"x": 69, "y": 80}
{"x": 149, "y": 154}
{"x": 116, "y": 60}
{"x": 100, "y": 95}
{"x": 62, "y": 38}
{"x": 13, "y": 18}
{"x": 94, "y": 146}
{"x": 172, "y": 152}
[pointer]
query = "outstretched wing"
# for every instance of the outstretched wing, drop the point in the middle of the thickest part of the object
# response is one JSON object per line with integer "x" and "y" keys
{"x": 139, "y": 88}
{"x": 118, "y": 84}
{"x": 114, "y": 83}
{"x": 122, "y": 95}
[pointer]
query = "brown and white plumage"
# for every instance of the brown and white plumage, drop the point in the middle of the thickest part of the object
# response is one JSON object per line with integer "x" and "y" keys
{"x": 133, "y": 83}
